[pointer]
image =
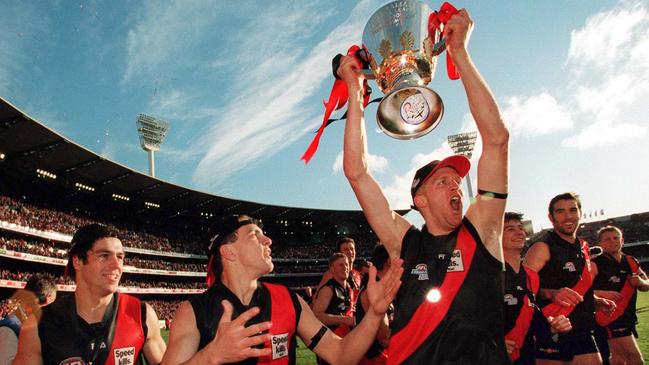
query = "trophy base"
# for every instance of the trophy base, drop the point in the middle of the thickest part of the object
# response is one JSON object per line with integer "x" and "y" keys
{"x": 410, "y": 112}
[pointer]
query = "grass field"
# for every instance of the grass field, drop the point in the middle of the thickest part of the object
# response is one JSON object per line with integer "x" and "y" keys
{"x": 306, "y": 357}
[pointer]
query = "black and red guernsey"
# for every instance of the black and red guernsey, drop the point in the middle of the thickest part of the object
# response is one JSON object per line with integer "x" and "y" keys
{"x": 465, "y": 326}
{"x": 277, "y": 304}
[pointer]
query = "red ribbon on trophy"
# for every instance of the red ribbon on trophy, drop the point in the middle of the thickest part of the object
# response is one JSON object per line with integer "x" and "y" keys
{"x": 436, "y": 20}
{"x": 339, "y": 93}
{"x": 337, "y": 99}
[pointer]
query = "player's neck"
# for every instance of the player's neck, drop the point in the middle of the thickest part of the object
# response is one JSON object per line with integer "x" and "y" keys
{"x": 91, "y": 307}
{"x": 572, "y": 238}
{"x": 513, "y": 258}
{"x": 240, "y": 285}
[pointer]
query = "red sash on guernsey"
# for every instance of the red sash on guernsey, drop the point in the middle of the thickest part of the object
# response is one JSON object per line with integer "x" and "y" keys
{"x": 582, "y": 286}
{"x": 428, "y": 316}
{"x": 284, "y": 319}
{"x": 129, "y": 336}
{"x": 524, "y": 319}
{"x": 604, "y": 319}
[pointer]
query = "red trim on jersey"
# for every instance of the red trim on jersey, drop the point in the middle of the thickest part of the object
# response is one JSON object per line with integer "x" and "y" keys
{"x": 582, "y": 286}
{"x": 284, "y": 319}
{"x": 524, "y": 319}
{"x": 603, "y": 318}
{"x": 129, "y": 335}
{"x": 428, "y": 316}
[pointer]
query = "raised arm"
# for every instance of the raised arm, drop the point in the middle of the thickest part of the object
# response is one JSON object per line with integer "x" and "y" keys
{"x": 389, "y": 226}
{"x": 487, "y": 212}
{"x": 154, "y": 346}
{"x": 29, "y": 344}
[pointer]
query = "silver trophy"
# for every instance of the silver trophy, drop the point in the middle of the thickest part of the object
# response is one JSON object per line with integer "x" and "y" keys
{"x": 402, "y": 56}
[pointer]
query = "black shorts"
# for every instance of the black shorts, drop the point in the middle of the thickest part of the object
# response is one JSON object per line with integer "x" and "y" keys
{"x": 565, "y": 346}
{"x": 621, "y": 330}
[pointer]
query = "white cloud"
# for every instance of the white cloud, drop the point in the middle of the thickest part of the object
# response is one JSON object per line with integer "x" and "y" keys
{"x": 268, "y": 112}
{"x": 606, "y": 35}
{"x": 536, "y": 115}
{"x": 602, "y": 134}
{"x": 376, "y": 163}
{"x": 609, "y": 57}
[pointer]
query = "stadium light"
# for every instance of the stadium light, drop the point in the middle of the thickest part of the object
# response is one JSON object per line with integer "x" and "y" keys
{"x": 82, "y": 187}
{"x": 152, "y": 131}
{"x": 118, "y": 197}
{"x": 151, "y": 205}
{"x": 462, "y": 144}
{"x": 45, "y": 174}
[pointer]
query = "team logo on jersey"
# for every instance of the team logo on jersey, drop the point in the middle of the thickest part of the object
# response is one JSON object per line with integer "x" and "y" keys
{"x": 72, "y": 361}
{"x": 614, "y": 279}
{"x": 569, "y": 266}
{"x": 510, "y": 299}
{"x": 456, "y": 264}
{"x": 279, "y": 343}
{"x": 124, "y": 356}
{"x": 421, "y": 270}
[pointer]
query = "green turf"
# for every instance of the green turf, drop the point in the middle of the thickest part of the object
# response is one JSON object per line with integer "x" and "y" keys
{"x": 642, "y": 310}
{"x": 306, "y": 357}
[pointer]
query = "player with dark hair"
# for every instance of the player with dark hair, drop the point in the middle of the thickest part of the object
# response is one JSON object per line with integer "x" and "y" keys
{"x": 449, "y": 308}
{"x": 95, "y": 324}
{"x": 521, "y": 287}
{"x": 619, "y": 277}
{"x": 562, "y": 261}
{"x": 377, "y": 354}
{"x": 39, "y": 291}
{"x": 231, "y": 321}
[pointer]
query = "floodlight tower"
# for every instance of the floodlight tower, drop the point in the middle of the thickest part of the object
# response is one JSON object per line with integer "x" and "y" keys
{"x": 462, "y": 144}
{"x": 152, "y": 131}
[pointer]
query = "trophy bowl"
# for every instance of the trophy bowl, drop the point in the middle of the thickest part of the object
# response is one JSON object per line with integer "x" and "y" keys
{"x": 402, "y": 56}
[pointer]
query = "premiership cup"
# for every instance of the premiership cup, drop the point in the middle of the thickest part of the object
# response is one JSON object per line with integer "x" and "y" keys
{"x": 402, "y": 56}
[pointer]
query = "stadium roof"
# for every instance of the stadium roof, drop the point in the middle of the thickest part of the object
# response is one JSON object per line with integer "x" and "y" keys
{"x": 29, "y": 145}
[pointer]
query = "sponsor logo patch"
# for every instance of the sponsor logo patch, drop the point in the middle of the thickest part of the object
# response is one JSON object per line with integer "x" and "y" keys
{"x": 569, "y": 266}
{"x": 510, "y": 299}
{"x": 279, "y": 343}
{"x": 421, "y": 270}
{"x": 124, "y": 356}
{"x": 456, "y": 264}
{"x": 614, "y": 279}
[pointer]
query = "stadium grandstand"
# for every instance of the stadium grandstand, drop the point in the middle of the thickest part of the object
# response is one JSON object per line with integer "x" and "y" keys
{"x": 50, "y": 186}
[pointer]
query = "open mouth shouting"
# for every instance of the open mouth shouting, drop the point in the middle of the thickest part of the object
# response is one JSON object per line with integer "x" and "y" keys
{"x": 456, "y": 204}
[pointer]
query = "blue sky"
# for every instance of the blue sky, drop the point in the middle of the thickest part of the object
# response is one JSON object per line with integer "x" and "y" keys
{"x": 242, "y": 84}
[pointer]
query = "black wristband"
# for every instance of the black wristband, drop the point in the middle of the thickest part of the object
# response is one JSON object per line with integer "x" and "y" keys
{"x": 491, "y": 194}
{"x": 317, "y": 337}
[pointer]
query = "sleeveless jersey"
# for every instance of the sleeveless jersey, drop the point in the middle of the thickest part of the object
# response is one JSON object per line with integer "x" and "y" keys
{"x": 340, "y": 305}
{"x": 66, "y": 338}
{"x": 564, "y": 269}
{"x": 612, "y": 275}
{"x": 277, "y": 304}
{"x": 465, "y": 324}
{"x": 519, "y": 307}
